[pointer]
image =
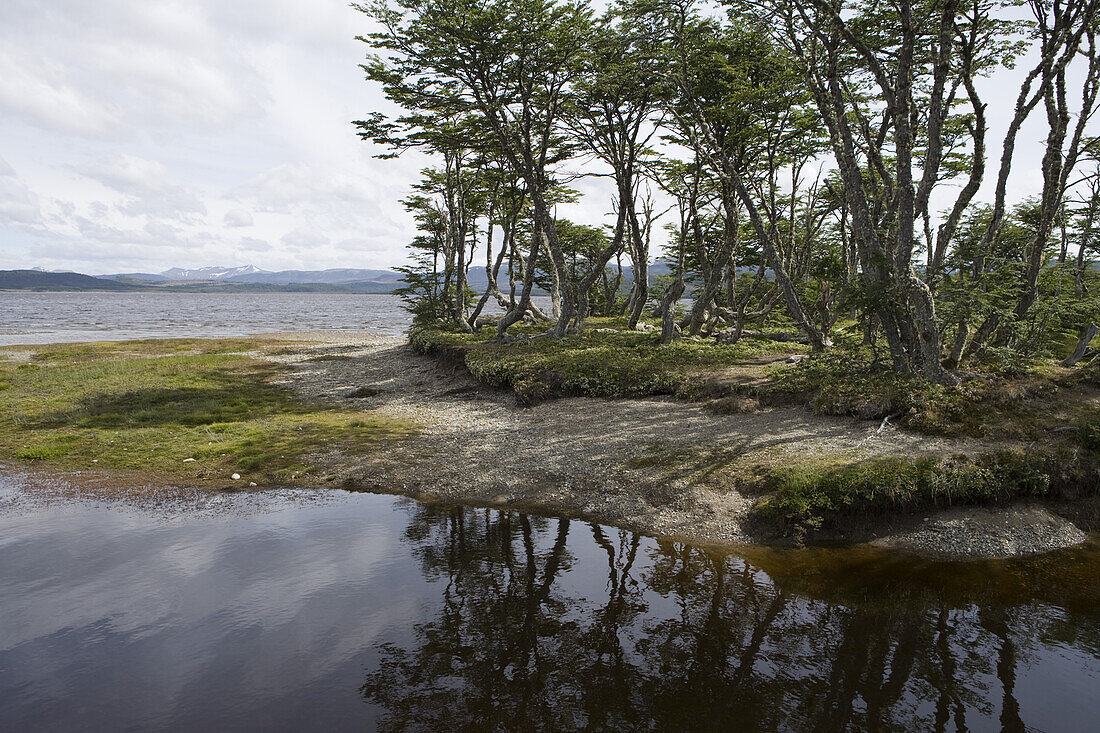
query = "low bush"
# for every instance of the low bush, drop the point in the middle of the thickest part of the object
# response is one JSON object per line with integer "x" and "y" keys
{"x": 598, "y": 363}
{"x": 804, "y": 499}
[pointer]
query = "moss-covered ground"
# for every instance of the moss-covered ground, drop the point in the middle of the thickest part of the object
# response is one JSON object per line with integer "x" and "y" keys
{"x": 150, "y": 406}
{"x": 605, "y": 360}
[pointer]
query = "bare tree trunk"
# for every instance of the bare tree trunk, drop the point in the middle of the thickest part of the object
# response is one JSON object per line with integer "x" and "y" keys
{"x": 1082, "y": 345}
{"x": 585, "y": 286}
{"x": 668, "y": 309}
{"x": 514, "y": 315}
{"x": 563, "y": 293}
{"x": 639, "y": 256}
{"x": 492, "y": 271}
{"x": 713, "y": 278}
{"x": 818, "y": 341}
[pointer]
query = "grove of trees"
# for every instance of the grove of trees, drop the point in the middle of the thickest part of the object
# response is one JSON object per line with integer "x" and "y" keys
{"x": 820, "y": 164}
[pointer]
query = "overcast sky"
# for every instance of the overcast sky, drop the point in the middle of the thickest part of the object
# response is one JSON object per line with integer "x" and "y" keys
{"x": 137, "y": 135}
{"x": 140, "y": 135}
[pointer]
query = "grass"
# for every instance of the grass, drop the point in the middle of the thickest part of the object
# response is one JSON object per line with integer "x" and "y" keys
{"x": 599, "y": 364}
{"x": 150, "y": 405}
{"x": 810, "y": 496}
{"x": 822, "y": 494}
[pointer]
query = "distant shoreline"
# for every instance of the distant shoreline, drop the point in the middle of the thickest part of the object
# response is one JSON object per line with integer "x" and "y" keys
{"x": 74, "y": 282}
{"x": 302, "y": 289}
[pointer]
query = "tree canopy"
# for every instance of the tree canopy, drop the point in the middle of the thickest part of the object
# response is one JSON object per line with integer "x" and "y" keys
{"x": 829, "y": 162}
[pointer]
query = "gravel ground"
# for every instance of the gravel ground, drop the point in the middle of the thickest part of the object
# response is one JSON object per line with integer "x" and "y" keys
{"x": 1000, "y": 532}
{"x": 573, "y": 456}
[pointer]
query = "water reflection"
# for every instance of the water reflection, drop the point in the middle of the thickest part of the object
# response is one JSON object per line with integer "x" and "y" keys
{"x": 682, "y": 638}
{"x": 369, "y": 611}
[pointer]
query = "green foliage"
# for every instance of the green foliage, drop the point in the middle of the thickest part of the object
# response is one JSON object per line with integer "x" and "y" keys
{"x": 1089, "y": 433}
{"x": 620, "y": 364}
{"x": 40, "y": 452}
{"x": 849, "y": 381}
{"x": 807, "y": 498}
{"x": 507, "y": 93}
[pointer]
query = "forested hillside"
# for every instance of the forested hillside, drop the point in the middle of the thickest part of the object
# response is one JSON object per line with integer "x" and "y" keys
{"x": 58, "y": 281}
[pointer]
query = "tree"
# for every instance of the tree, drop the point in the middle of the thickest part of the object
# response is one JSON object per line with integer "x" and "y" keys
{"x": 613, "y": 113}
{"x": 742, "y": 111}
{"x": 510, "y": 64}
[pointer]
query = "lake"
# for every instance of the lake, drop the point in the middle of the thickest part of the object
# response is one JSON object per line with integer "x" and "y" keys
{"x": 328, "y": 610}
{"x": 42, "y": 318}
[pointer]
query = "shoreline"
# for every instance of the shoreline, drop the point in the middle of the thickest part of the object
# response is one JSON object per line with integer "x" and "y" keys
{"x": 658, "y": 466}
{"x": 934, "y": 536}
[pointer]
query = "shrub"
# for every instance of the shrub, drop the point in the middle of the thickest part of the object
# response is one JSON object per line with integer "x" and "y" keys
{"x": 806, "y": 499}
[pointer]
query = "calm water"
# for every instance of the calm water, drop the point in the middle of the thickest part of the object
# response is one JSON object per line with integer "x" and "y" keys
{"x": 329, "y": 610}
{"x": 37, "y": 318}
{"x": 42, "y": 318}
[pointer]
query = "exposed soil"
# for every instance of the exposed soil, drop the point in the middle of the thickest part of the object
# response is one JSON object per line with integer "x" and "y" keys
{"x": 656, "y": 465}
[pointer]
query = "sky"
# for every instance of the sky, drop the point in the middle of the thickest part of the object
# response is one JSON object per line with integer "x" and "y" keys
{"x": 137, "y": 136}
{"x": 146, "y": 134}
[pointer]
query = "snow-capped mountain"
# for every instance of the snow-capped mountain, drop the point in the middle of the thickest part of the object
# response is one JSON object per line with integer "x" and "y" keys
{"x": 212, "y": 273}
{"x": 43, "y": 269}
{"x": 252, "y": 274}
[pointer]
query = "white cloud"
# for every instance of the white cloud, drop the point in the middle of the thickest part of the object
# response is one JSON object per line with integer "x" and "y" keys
{"x": 126, "y": 173}
{"x": 237, "y": 218}
{"x": 303, "y": 240}
{"x": 38, "y": 91}
{"x": 297, "y": 187}
{"x": 152, "y": 132}
{"x": 251, "y": 244}
{"x": 18, "y": 205}
{"x": 111, "y": 67}
{"x": 147, "y": 190}
{"x": 175, "y": 202}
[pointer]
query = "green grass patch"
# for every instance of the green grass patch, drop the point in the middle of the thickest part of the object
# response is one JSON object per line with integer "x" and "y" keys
{"x": 600, "y": 364}
{"x": 150, "y": 405}
{"x": 808, "y": 497}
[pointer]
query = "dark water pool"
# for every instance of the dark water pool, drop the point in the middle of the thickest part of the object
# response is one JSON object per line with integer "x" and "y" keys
{"x": 320, "y": 611}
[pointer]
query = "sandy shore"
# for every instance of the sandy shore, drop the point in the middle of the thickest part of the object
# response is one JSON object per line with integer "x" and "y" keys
{"x": 645, "y": 464}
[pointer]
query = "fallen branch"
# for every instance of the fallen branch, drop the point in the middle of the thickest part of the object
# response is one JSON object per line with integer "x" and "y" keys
{"x": 886, "y": 421}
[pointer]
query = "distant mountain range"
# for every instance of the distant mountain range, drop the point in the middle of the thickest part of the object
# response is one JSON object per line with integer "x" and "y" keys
{"x": 240, "y": 279}
{"x": 208, "y": 280}
{"x": 58, "y": 281}
{"x": 252, "y": 274}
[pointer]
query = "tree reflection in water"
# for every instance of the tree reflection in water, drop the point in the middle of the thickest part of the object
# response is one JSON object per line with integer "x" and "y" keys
{"x": 675, "y": 637}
